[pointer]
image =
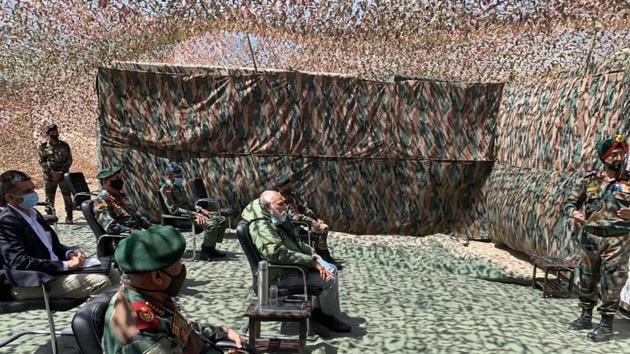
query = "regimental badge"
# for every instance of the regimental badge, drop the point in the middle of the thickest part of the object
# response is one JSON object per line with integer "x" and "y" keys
{"x": 593, "y": 189}
{"x": 145, "y": 317}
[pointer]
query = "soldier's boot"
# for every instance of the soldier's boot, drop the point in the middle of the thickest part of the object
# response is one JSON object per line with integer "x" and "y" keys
{"x": 585, "y": 321}
{"x": 604, "y": 331}
{"x": 69, "y": 216}
{"x": 215, "y": 253}
{"x": 204, "y": 255}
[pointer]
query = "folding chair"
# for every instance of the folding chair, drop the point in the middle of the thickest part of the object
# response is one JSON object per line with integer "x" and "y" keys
{"x": 78, "y": 187}
{"x": 168, "y": 219}
{"x": 29, "y": 279}
{"x": 200, "y": 196}
{"x": 104, "y": 241}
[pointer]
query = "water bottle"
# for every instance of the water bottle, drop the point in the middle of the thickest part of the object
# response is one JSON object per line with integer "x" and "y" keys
{"x": 263, "y": 283}
{"x": 273, "y": 296}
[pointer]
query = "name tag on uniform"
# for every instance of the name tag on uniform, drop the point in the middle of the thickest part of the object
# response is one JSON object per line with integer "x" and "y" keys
{"x": 593, "y": 189}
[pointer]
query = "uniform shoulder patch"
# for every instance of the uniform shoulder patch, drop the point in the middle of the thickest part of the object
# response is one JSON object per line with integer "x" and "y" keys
{"x": 146, "y": 318}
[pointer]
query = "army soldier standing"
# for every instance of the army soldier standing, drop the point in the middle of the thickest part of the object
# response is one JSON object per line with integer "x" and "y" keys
{"x": 178, "y": 203}
{"x": 55, "y": 158}
{"x": 600, "y": 203}
{"x": 142, "y": 317}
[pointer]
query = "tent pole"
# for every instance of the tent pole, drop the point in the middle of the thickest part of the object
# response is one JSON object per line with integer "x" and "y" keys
{"x": 249, "y": 43}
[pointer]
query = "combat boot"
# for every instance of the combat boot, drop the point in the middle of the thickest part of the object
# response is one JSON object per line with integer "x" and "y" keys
{"x": 204, "y": 255}
{"x": 604, "y": 331}
{"x": 69, "y": 217}
{"x": 585, "y": 321}
{"x": 216, "y": 253}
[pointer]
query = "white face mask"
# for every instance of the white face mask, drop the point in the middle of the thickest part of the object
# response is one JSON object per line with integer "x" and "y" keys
{"x": 281, "y": 217}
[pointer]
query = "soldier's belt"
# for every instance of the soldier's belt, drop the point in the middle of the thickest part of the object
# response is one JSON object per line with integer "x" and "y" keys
{"x": 602, "y": 232}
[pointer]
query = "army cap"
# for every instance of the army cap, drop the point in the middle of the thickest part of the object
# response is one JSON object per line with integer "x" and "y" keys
{"x": 108, "y": 172}
{"x": 50, "y": 127}
{"x": 609, "y": 145}
{"x": 147, "y": 250}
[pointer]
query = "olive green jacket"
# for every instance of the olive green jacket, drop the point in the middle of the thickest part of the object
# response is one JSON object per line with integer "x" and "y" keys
{"x": 276, "y": 242}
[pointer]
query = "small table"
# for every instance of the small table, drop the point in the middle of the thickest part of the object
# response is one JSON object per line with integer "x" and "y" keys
{"x": 553, "y": 287}
{"x": 256, "y": 316}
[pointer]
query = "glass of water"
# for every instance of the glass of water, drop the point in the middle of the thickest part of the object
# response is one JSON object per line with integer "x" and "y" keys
{"x": 273, "y": 296}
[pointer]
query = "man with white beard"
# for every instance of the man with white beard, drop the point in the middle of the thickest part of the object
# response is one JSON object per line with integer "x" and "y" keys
{"x": 276, "y": 240}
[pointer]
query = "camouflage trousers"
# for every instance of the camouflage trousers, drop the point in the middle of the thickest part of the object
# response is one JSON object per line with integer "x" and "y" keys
{"x": 603, "y": 262}
{"x": 50, "y": 188}
{"x": 213, "y": 230}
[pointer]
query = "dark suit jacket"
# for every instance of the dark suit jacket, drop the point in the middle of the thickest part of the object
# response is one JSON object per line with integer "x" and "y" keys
{"x": 21, "y": 249}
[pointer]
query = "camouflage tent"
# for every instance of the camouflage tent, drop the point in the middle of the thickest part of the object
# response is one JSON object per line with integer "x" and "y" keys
{"x": 407, "y": 157}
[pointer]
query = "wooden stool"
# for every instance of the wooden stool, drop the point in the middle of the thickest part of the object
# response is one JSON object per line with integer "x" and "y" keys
{"x": 553, "y": 287}
{"x": 276, "y": 344}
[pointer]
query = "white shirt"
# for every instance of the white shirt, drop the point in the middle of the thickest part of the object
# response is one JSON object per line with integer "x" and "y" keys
{"x": 42, "y": 234}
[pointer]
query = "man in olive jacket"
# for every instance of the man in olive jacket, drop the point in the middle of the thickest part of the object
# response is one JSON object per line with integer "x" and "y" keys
{"x": 276, "y": 241}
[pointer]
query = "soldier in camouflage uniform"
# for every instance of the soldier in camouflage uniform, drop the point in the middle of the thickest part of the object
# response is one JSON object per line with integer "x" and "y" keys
{"x": 55, "y": 158}
{"x": 600, "y": 203}
{"x": 299, "y": 211}
{"x": 177, "y": 202}
{"x": 111, "y": 208}
{"x": 142, "y": 317}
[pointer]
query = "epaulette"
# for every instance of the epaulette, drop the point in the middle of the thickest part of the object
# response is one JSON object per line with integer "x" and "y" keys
{"x": 145, "y": 318}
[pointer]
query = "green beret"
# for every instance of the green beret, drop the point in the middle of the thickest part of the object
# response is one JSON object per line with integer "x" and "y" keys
{"x": 608, "y": 145}
{"x": 108, "y": 172}
{"x": 146, "y": 250}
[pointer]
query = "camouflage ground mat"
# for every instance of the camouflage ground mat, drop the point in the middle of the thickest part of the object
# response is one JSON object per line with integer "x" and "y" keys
{"x": 405, "y": 299}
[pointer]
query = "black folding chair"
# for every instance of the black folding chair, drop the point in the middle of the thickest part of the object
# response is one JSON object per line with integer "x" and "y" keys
{"x": 78, "y": 187}
{"x": 33, "y": 279}
{"x": 175, "y": 220}
{"x": 200, "y": 197}
{"x": 104, "y": 242}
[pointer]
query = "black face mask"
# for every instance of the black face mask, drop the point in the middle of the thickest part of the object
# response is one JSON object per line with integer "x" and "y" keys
{"x": 615, "y": 166}
{"x": 177, "y": 281}
{"x": 117, "y": 184}
{"x": 55, "y": 137}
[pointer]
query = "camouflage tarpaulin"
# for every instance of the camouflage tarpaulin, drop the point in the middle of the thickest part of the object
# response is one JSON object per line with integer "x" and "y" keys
{"x": 547, "y": 139}
{"x": 372, "y": 157}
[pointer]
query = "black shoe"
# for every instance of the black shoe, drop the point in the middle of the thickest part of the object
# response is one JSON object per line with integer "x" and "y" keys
{"x": 215, "y": 253}
{"x": 329, "y": 322}
{"x": 204, "y": 255}
{"x": 585, "y": 321}
{"x": 604, "y": 331}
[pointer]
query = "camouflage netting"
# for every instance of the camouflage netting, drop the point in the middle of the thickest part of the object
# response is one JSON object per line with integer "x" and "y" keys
{"x": 49, "y": 52}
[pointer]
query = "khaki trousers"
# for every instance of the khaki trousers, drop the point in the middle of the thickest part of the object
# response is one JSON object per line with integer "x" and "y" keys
{"x": 76, "y": 286}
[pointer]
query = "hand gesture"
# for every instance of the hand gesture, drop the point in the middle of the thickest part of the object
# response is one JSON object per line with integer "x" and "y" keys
{"x": 579, "y": 217}
{"x": 624, "y": 213}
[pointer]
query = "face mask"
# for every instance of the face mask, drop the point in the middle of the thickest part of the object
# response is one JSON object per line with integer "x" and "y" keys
{"x": 615, "y": 166}
{"x": 178, "y": 181}
{"x": 281, "y": 217}
{"x": 117, "y": 184}
{"x": 177, "y": 281}
{"x": 29, "y": 200}
{"x": 54, "y": 137}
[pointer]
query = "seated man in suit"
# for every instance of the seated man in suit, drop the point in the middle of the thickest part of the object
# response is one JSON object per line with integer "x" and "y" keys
{"x": 111, "y": 208}
{"x": 177, "y": 202}
{"x": 28, "y": 243}
{"x": 276, "y": 240}
{"x": 299, "y": 211}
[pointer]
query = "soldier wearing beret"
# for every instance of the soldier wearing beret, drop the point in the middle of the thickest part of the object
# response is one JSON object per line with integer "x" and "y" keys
{"x": 299, "y": 211}
{"x": 142, "y": 317}
{"x": 111, "y": 207}
{"x": 178, "y": 203}
{"x": 600, "y": 204}
{"x": 55, "y": 158}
